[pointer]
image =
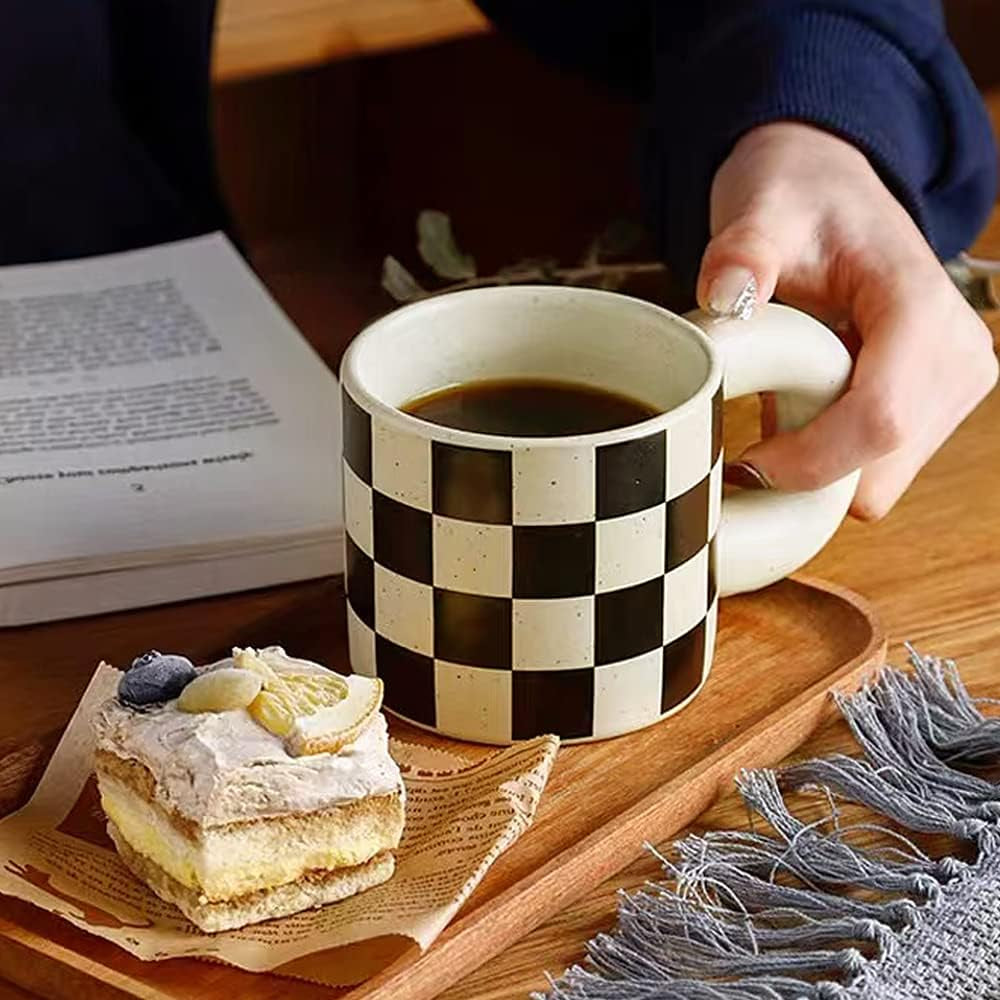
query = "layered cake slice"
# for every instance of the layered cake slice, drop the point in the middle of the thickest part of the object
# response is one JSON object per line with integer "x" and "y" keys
{"x": 251, "y": 788}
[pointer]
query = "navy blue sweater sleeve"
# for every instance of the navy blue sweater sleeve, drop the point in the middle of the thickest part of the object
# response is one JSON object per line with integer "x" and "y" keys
{"x": 880, "y": 73}
{"x": 105, "y": 124}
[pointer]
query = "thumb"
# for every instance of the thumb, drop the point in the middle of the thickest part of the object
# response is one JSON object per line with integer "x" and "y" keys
{"x": 740, "y": 268}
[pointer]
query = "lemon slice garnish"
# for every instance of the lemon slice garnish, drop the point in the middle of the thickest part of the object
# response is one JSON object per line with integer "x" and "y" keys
{"x": 317, "y": 711}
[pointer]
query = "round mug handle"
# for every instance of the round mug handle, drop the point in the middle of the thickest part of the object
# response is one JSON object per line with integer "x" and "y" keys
{"x": 766, "y": 534}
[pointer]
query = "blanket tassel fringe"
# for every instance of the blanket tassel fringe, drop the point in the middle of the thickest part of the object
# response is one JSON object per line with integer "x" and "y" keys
{"x": 801, "y": 913}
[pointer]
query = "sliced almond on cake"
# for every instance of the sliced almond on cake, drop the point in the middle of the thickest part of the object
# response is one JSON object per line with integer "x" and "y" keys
{"x": 315, "y": 712}
{"x": 220, "y": 691}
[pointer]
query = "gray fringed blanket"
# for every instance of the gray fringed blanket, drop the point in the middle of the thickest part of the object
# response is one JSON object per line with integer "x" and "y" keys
{"x": 780, "y": 917}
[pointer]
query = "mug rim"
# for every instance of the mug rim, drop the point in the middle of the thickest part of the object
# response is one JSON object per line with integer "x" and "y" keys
{"x": 352, "y": 381}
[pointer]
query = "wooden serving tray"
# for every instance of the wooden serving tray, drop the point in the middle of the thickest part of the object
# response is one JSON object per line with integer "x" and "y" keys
{"x": 780, "y": 652}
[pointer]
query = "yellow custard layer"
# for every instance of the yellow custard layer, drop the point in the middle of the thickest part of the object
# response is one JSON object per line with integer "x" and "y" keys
{"x": 222, "y": 863}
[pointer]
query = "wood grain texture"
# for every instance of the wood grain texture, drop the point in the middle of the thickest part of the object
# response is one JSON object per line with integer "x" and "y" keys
{"x": 264, "y": 36}
{"x": 267, "y": 36}
{"x": 11, "y": 992}
{"x": 780, "y": 652}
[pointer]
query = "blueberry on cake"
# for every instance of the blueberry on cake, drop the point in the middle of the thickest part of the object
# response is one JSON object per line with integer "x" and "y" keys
{"x": 251, "y": 788}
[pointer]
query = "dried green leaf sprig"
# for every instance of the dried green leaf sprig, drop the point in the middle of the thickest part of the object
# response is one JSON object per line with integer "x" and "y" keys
{"x": 437, "y": 247}
{"x": 975, "y": 278}
{"x": 600, "y": 266}
{"x": 399, "y": 283}
{"x": 439, "y": 250}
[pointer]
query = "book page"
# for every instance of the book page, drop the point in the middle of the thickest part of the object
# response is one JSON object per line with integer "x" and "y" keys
{"x": 155, "y": 399}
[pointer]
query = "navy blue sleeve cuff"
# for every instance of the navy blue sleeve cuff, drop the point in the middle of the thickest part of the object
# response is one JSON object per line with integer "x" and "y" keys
{"x": 897, "y": 90}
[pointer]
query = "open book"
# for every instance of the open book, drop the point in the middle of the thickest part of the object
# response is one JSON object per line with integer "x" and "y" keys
{"x": 165, "y": 433}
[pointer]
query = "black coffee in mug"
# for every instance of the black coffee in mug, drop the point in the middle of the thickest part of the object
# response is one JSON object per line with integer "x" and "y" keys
{"x": 529, "y": 407}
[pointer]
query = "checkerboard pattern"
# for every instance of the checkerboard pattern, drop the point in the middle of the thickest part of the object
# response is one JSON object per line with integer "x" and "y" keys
{"x": 504, "y": 593}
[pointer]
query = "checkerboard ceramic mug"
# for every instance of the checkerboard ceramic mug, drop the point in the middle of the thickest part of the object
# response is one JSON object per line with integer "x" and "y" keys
{"x": 504, "y": 587}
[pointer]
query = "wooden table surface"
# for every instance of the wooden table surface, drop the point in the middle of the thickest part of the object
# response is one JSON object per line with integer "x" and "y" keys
{"x": 267, "y": 36}
{"x": 932, "y": 570}
{"x": 256, "y": 37}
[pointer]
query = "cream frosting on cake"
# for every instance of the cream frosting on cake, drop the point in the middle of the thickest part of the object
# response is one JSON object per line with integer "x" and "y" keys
{"x": 218, "y": 767}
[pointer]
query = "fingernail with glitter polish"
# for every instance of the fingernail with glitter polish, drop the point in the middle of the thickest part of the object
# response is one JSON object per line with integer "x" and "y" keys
{"x": 733, "y": 293}
{"x": 745, "y": 475}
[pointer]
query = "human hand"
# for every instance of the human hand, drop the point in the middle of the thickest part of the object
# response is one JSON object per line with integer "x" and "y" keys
{"x": 804, "y": 214}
